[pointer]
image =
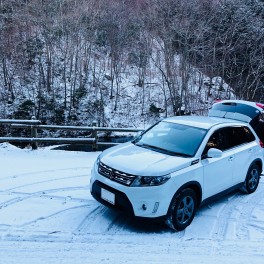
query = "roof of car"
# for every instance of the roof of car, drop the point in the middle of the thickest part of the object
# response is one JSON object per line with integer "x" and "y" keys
{"x": 204, "y": 122}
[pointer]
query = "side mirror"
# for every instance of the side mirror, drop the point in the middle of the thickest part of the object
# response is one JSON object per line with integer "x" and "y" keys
{"x": 214, "y": 153}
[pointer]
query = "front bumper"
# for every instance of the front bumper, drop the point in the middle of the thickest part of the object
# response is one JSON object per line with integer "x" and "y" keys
{"x": 121, "y": 200}
{"x": 146, "y": 202}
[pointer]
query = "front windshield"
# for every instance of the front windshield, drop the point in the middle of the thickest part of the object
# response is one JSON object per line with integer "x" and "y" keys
{"x": 172, "y": 139}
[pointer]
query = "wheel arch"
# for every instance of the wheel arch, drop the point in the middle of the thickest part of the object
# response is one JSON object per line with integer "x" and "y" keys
{"x": 259, "y": 164}
{"x": 195, "y": 186}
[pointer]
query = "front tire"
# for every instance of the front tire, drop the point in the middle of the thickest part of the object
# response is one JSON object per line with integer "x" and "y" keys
{"x": 182, "y": 210}
{"x": 252, "y": 179}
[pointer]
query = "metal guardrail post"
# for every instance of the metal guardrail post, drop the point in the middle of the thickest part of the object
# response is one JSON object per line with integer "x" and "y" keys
{"x": 95, "y": 136}
{"x": 34, "y": 134}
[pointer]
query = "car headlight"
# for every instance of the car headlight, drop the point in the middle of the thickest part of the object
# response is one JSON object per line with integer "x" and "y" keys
{"x": 144, "y": 181}
{"x": 98, "y": 160}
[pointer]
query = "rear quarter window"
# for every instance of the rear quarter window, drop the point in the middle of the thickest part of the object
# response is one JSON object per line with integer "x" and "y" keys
{"x": 239, "y": 135}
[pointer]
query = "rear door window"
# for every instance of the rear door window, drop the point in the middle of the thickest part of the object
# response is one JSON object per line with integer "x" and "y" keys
{"x": 238, "y": 135}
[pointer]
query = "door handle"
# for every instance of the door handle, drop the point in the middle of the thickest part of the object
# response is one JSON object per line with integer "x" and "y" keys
{"x": 250, "y": 150}
{"x": 231, "y": 159}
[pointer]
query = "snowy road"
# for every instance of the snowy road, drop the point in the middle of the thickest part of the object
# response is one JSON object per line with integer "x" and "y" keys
{"x": 47, "y": 215}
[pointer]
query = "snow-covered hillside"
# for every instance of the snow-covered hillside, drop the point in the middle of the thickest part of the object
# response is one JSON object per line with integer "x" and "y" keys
{"x": 47, "y": 215}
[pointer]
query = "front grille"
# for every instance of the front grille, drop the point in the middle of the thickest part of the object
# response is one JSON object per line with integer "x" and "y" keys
{"x": 115, "y": 175}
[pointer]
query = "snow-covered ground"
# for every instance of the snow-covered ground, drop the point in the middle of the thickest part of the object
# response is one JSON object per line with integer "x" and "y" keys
{"x": 47, "y": 215}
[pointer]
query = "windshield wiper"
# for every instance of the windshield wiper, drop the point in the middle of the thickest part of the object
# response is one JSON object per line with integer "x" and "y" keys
{"x": 163, "y": 150}
{"x": 182, "y": 154}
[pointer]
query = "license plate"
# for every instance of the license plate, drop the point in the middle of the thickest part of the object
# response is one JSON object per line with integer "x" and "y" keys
{"x": 108, "y": 196}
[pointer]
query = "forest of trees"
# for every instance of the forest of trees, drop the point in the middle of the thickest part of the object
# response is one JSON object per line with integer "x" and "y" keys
{"x": 65, "y": 61}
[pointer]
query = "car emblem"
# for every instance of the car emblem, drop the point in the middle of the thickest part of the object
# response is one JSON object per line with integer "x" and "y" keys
{"x": 111, "y": 175}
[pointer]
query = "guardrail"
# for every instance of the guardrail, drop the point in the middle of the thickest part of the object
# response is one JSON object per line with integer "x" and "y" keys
{"x": 35, "y": 125}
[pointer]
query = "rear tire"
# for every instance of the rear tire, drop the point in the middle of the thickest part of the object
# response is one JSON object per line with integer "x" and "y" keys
{"x": 182, "y": 210}
{"x": 252, "y": 179}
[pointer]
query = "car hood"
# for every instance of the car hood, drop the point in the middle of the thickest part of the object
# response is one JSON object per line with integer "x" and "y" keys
{"x": 137, "y": 160}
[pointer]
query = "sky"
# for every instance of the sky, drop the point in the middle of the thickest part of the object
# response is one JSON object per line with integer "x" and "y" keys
{"x": 47, "y": 215}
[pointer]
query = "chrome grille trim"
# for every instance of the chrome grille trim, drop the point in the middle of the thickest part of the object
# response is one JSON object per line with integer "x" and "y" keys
{"x": 115, "y": 175}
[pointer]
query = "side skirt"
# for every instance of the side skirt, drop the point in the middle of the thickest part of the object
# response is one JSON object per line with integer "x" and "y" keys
{"x": 221, "y": 194}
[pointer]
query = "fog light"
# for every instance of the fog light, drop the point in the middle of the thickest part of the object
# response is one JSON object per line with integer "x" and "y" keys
{"x": 155, "y": 209}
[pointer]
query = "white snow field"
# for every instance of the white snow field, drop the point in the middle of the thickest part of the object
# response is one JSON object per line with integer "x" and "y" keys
{"x": 47, "y": 215}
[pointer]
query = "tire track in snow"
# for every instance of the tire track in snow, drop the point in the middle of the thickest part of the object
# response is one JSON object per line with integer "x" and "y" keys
{"x": 59, "y": 212}
{"x": 246, "y": 219}
{"x": 43, "y": 192}
{"x": 25, "y": 232}
{"x": 86, "y": 225}
{"x": 42, "y": 179}
{"x": 45, "y": 171}
{"x": 223, "y": 217}
{"x": 17, "y": 231}
{"x": 110, "y": 220}
{"x": 235, "y": 215}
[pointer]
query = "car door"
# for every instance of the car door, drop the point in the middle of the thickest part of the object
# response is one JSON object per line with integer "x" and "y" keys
{"x": 242, "y": 143}
{"x": 217, "y": 171}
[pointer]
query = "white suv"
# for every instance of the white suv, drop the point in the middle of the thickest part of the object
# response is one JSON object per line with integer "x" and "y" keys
{"x": 177, "y": 165}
